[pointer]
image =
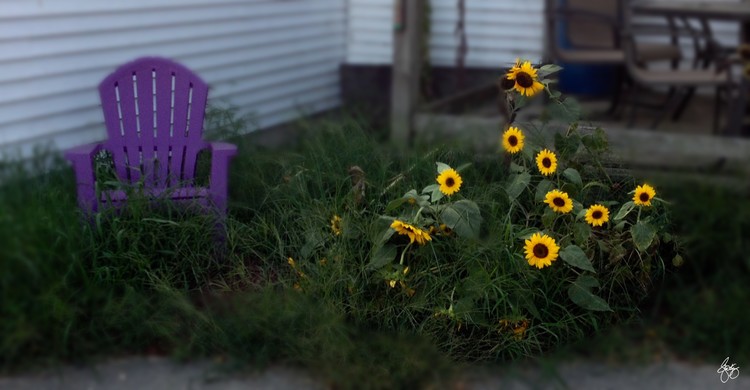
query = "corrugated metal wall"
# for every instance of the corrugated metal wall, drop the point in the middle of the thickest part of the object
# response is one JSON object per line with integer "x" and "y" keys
{"x": 497, "y": 31}
{"x": 273, "y": 58}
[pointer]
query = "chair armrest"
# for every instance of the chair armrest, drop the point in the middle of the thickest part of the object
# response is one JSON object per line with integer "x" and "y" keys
{"x": 572, "y": 12}
{"x": 223, "y": 148}
{"x": 218, "y": 181}
{"x": 83, "y": 151}
{"x": 82, "y": 159}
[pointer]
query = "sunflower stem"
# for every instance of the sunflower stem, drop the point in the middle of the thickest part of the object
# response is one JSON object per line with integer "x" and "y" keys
{"x": 598, "y": 163}
{"x": 403, "y": 253}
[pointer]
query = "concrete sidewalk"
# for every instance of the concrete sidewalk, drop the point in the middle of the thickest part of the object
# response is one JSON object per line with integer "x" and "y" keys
{"x": 161, "y": 373}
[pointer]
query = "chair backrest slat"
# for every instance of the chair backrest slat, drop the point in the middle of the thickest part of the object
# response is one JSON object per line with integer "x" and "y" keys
{"x": 164, "y": 109}
{"x": 154, "y": 110}
{"x": 143, "y": 85}
{"x": 586, "y": 32}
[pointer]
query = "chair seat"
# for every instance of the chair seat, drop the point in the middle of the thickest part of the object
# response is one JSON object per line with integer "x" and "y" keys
{"x": 180, "y": 194}
{"x": 598, "y": 56}
{"x": 687, "y": 77}
{"x": 647, "y": 52}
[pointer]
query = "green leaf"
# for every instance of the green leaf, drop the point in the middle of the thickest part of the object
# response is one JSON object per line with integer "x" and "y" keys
{"x": 542, "y": 189}
{"x": 548, "y": 218}
{"x": 620, "y": 225}
{"x": 566, "y": 111}
{"x": 580, "y": 293}
{"x": 547, "y": 69}
{"x": 394, "y": 204}
{"x": 597, "y": 141}
{"x": 576, "y": 257}
{"x": 381, "y": 256}
{"x": 515, "y": 168}
{"x": 434, "y": 191}
{"x": 463, "y": 217}
{"x": 578, "y": 208}
{"x": 518, "y": 183}
{"x": 436, "y": 195}
{"x": 520, "y": 100}
{"x": 581, "y": 232}
{"x": 387, "y": 234}
{"x": 430, "y": 188}
{"x": 567, "y": 146}
{"x": 573, "y": 176}
{"x": 421, "y": 200}
{"x": 625, "y": 209}
{"x": 442, "y": 167}
{"x": 643, "y": 235}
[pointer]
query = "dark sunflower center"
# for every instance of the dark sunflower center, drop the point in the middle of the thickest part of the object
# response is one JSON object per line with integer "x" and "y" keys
{"x": 596, "y": 214}
{"x": 506, "y": 83}
{"x": 512, "y": 140}
{"x": 450, "y": 182}
{"x": 546, "y": 162}
{"x": 559, "y": 202}
{"x": 540, "y": 251}
{"x": 644, "y": 197}
{"x": 524, "y": 79}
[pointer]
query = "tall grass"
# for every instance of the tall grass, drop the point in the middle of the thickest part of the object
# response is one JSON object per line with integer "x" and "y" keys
{"x": 155, "y": 280}
{"x": 151, "y": 279}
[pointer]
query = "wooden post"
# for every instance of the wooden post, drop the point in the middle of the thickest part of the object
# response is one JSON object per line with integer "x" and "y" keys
{"x": 407, "y": 64}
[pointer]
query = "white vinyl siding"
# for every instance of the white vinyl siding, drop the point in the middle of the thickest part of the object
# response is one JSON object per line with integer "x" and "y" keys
{"x": 273, "y": 59}
{"x": 497, "y": 31}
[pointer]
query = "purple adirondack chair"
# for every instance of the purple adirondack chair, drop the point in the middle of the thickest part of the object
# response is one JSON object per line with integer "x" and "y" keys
{"x": 153, "y": 110}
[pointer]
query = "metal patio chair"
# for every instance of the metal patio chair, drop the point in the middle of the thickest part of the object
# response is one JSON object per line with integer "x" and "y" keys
{"x": 589, "y": 32}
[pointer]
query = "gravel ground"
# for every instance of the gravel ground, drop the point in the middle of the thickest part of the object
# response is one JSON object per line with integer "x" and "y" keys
{"x": 160, "y": 373}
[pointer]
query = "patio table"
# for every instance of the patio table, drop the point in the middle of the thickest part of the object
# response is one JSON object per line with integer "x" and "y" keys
{"x": 704, "y": 11}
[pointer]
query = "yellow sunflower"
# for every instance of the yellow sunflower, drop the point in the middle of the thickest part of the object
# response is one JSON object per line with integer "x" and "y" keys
{"x": 506, "y": 83}
{"x": 541, "y": 250}
{"x": 450, "y": 182}
{"x": 525, "y": 77}
{"x": 643, "y": 195}
{"x": 414, "y": 233}
{"x": 513, "y": 140}
{"x": 336, "y": 225}
{"x": 559, "y": 201}
{"x": 546, "y": 161}
{"x": 597, "y": 215}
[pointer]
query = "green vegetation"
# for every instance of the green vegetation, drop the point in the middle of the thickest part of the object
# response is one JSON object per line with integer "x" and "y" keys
{"x": 157, "y": 280}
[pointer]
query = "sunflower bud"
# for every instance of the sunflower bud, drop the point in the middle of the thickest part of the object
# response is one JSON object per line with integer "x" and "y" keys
{"x": 506, "y": 83}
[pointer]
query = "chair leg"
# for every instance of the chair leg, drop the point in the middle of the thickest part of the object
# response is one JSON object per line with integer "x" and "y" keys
{"x": 672, "y": 101}
{"x": 736, "y": 107}
{"x": 634, "y": 105}
{"x": 717, "y": 110}
{"x": 683, "y": 104}
{"x": 615, "y": 102}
